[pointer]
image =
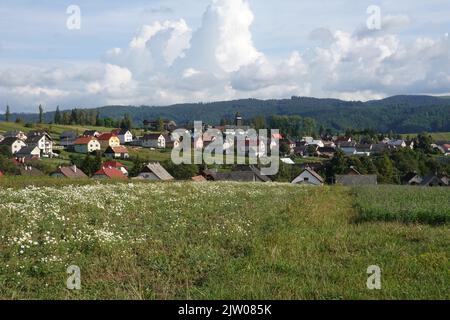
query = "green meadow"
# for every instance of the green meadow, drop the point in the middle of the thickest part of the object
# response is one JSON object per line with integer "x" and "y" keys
{"x": 185, "y": 240}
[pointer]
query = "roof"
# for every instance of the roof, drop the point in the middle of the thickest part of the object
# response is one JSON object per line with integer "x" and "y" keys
{"x": 8, "y": 141}
{"x": 356, "y": 180}
{"x": 119, "y": 131}
{"x": 152, "y": 136}
{"x": 71, "y": 172}
{"x": 26, "y": 150}
{"x": 326, "y": 150}
{"x": 314, "y": 174}
{"x": 118, "y": 149}
{"x": 1, "y": 174}
{"x": 432, "y": 179}
{"x": 84, "y": 140}
{"x": 198, "y": 179}
{"x": 111, "y": 173}
{"x": 106, "y": 136}
{"x": 158, "y": 170}
{"x": 90, "y": 132}
{"x": 113, "y": 164}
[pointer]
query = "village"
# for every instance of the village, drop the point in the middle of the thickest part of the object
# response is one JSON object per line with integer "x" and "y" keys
{"x": 308, "y": 155}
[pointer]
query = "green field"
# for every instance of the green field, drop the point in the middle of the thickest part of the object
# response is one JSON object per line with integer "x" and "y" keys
{"x": 405, "y": 204}
{"x": 437, "y": 136}
{"x": 210, "y": 241}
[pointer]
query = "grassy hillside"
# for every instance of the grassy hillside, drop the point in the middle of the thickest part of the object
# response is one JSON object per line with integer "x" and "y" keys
{"x": 436, "y": 135}
{"x": 210, "y": 241}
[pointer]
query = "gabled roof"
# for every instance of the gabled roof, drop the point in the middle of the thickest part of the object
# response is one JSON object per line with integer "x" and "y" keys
{"x": 84, "y": 140}
{"x": 8, "y": 141}
{"x": 72, "y": 172}
{"x": 106, "y": 136}
{"x": 432, "y": 179}
{"x": 111, "y": 173}
{"x": 90, "y": 132}
{"x": 118, "y": 149}
{"x": 26, "y": 151}
{"x": 118, "y": 132}
{"x": 158, "y": 170}
{"x": 113, "y": 164}
{"x": 152, "y": 136}
{"x": 314, "y": 174}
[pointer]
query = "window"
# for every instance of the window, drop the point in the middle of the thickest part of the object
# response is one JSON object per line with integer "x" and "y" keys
{"x": 306, "y": 179}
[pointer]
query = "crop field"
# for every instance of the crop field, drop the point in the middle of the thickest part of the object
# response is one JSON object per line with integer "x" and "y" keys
{"x": 405, "y": 204}
{"x": 185, "y": 240}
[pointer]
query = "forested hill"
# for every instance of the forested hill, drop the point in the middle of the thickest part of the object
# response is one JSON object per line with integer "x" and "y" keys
{"x": 401, "y": 114}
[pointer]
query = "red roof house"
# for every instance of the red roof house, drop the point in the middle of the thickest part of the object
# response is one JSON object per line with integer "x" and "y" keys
{"x": 109, "y": 173}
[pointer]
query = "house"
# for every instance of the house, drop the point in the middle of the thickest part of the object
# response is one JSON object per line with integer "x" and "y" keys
{"x": 199, "y": 179}
{"x": 108, "y": 140}
{"x": 315, "y": 142}
{"x": 1, "y": 174}
{"x": 125, "y": 135}
{"x": 71, "y": 172}
{"x": 433, "y": 181}
{"x": 171, "y": 142}
{"x": 1, "y": 138}
{"x": 412, "y": 179}
{"x": 289, "y": 143}
{"x": 116, "y": 165}
{"x": 349, "y": 148}
{"x": 380, "y": 147}
{"x": 301, "y": 151}
{"x": 16, "y": 134}
{"x": 247, "y": 174}
{"x": 340, "y": 140}
{"x": 14, "y": 144}
{"x": 67, "y": 139}
{"x": 92, "y": 133}
{"x": 325, "y": 152}
{"x": 363, "y": 149}
{"x": 154, "y": 172}
{"x": 356, "y": 179}
{"x": 43, "y": 141}
{"x": 154, "y": 140}
{"x": 86, "y": 145}
{"x": 309, "y": 177}
{"x": 109, "y": 173}
{"x": 28, "y": 153}
{"x": 400, "y": 143}
{"x": 29, "y": 171}
{"x": 119, "y": 152}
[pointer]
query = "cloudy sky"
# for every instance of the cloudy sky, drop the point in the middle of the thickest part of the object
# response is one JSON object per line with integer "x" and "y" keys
{"x": 159, "y": 52}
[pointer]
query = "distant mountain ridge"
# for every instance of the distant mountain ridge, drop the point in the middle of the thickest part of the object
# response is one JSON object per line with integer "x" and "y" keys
{"x": 401, "y": 114}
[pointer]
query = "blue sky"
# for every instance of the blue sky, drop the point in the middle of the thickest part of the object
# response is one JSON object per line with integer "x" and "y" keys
{"x": 221, "y": 49}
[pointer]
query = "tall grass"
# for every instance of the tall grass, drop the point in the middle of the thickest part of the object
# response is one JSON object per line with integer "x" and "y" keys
{"x": 404, "y": 204}
{"x": 209, "y": 241}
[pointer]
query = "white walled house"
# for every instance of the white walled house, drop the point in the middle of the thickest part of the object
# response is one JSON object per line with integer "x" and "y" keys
{"x": 309, "y": 177}
{"x": 44, "y": 142}
{"x": 87, "y": 145}
{"x": 14, "y": 144}
{"x": 156, "y": 141}
{"x": 125, "y": 136}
